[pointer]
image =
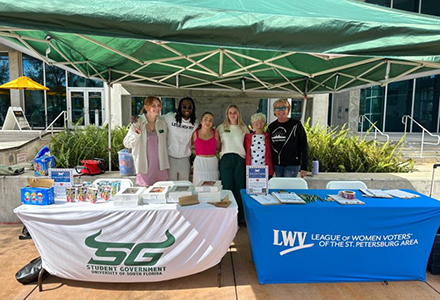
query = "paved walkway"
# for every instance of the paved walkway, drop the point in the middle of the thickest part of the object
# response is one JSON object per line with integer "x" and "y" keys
{"x": 239, "y": 281}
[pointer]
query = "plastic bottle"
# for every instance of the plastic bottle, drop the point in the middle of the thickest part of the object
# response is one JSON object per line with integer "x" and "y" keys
{"x": 315, "y": 166}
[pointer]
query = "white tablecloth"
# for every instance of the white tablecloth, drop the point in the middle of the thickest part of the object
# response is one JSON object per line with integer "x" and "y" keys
{"x": 104, "y": 243}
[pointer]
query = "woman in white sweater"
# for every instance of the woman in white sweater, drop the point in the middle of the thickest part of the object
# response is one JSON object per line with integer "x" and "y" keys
{"x": 232, "y": 155}
{"x": 147, "y": 137}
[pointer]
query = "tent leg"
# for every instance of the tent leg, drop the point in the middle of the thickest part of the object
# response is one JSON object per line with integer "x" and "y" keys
{"x": 109, "y": 122}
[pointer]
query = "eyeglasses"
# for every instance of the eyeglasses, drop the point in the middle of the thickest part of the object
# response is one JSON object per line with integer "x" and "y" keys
{"x": 278, "y": 108}
{"x": 187, "y": 107}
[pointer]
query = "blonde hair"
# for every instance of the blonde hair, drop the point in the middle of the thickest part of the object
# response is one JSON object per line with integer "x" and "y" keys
{"x": 282, "y": 101}
{"x": 240, "y": 120}
{"x": 258, "y": 117}
{"x": 148, "y": 101}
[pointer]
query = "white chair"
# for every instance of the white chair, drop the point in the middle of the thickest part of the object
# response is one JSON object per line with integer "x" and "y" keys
{"x": 339, "y": 185}
{"x": 288, "y": 183}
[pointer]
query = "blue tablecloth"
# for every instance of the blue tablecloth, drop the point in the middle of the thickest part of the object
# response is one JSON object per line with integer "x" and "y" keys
{"x": 385, "y": 239}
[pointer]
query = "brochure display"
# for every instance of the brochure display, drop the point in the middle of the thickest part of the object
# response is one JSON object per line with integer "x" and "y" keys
{"x": 323, "y": 241}
{"x": 63, "y": 178}
{"x": 257, "y": 179}
{"x": 145, "y": 243}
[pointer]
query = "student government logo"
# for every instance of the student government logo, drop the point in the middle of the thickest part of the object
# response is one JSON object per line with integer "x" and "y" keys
{"x": 134, "y": 261}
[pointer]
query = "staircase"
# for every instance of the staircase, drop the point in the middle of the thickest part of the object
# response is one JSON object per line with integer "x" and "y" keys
{"x": 412, "y": 145}
{"x": 16, "y": 145}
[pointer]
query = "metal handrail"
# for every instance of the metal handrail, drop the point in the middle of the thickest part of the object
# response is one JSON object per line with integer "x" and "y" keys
{"x": 405, "y": 122}
{"x": 63, "y": 113}
{"x": 363, "y": 118}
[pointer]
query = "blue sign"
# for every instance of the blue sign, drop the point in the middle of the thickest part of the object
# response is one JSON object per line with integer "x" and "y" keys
{"x": 323, "y": 241}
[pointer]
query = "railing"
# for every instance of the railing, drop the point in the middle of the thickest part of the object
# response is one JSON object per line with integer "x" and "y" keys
{"x": 405, "y": 122}
{"x": 64, "y": 114}
{"x": 363, "y": 118}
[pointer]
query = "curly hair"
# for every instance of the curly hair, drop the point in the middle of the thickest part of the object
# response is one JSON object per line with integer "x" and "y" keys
{"x": 179, "y": 111}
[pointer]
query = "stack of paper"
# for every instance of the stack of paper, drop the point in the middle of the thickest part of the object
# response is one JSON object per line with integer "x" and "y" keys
{"x": 401, "y": 194}
{"x": 265, "y": 199}
{"x": 288, "y": 198}
{"x": 375, "y": 193}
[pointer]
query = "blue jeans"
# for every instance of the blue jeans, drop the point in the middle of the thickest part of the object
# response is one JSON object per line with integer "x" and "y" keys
{"x": 286, "y": 171}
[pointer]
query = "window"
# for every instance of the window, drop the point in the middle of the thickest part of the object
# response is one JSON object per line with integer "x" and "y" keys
{"x": 386, "y": 3}
{"x": 56, "y": 97}
{"x": 34, "y": 100}
{"x": 330, "y": 109}
{"x": 262, "y": 107}
{"x": 296, "y": 109}
{"x": 5, "y": 95}
{"x": 408, "y": 5}
{"x": 371, "y": 105}
{"x": 78, "y": 81}
{"x": 431, "y": 7}
{"x": 426, "y": 103}
{"x": 399, "y": 103}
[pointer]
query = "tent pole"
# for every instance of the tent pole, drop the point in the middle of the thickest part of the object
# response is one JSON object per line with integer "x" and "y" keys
{"x": 109, "y": 119}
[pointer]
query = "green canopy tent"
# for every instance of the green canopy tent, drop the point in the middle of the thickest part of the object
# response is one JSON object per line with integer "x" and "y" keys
{"x": 293, "y": 46}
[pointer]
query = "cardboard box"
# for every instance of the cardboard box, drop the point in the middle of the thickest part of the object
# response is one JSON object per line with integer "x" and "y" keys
{"x": 40, "y": 182}
{"x": 37, "y": 195}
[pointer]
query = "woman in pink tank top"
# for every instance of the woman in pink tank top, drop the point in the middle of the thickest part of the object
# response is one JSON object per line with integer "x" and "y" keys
{"x": 206, "y": 144}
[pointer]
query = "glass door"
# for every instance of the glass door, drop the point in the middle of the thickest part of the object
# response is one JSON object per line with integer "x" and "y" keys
{"x": 95, "y": 107}
{"x": 85, "y": 106}
{"x": 76, "y": 113}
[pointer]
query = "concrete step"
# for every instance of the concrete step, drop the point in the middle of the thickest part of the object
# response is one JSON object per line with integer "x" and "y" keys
{"x": 425, "y": 159}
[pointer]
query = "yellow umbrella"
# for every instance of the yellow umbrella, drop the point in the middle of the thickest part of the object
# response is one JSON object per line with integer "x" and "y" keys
{"x": 23, "y": 83}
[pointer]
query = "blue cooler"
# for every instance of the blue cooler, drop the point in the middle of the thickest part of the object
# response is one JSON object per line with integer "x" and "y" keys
{"x": 126, "y": 163}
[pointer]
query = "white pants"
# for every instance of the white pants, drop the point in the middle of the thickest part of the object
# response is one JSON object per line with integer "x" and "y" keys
{"x": 179, "y": 168}
{"x": 205, "y": 168}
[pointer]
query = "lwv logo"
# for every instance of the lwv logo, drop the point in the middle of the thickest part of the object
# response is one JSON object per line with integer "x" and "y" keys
{"x": 288, "y": 239}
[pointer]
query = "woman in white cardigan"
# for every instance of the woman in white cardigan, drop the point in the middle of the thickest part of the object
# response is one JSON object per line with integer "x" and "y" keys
{"x": 147, "y": 137}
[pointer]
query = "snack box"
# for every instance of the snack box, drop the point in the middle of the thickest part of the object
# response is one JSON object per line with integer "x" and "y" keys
{"x": 209, "y": 196}
{"x": 209, "y": 186}
{"x": 130, "y": 196}
{"x": 42, "y": 165}
{"x": 37, "y": 195}
{"x": 155, "y": 194}
{"x": 178, "y": 191}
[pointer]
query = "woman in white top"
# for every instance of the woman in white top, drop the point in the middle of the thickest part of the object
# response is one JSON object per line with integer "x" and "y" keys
{"x": 147, "y": 138}
{"x": 232, "y": 155}
{"x": 181, "y": 126}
